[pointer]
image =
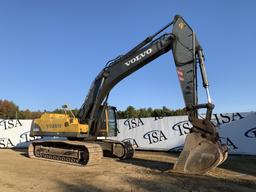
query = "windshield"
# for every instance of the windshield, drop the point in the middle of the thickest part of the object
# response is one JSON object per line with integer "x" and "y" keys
{"x": 112, "y": 124}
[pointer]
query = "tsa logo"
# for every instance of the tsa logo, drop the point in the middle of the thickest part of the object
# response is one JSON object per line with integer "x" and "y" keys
{"x": 131, "y": 141}
{"x": 133, "y": 123}
{"x": 251, "y": 133}
{"x": 6, "y": 143}
{"x": 155, "y": 136}
{"x": 183, "y": 127}
{"x": 9, "y": 124}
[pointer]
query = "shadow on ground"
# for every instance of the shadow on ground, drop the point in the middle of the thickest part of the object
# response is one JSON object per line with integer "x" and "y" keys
{"x": 245, "y": 164}
{"x": 78, "y": 187}
{"x": 178, "y": 182}
{"x": 152, "y": 164}
{"x": 22, "y": 151}
{"x": 160, "y": 182}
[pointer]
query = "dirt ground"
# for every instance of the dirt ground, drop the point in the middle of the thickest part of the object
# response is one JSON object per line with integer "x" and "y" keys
{"x": 147, "y": 171}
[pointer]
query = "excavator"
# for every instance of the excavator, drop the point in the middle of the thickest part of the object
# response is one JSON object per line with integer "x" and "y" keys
{"x": 86, "y": 135}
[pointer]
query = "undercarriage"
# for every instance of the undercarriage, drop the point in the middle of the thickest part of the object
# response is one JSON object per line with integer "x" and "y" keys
{"x": 79, "y": 152}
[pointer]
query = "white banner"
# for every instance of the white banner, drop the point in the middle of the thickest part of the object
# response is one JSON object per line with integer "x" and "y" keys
{"x": 237, "y": 130}
{"x": 14, "y": 133}
{"x": 240, "y": 136}
{"x": 161, "y": 133}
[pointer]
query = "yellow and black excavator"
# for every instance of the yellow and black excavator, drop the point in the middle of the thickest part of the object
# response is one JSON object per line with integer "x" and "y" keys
{"x": 202, "y": 150}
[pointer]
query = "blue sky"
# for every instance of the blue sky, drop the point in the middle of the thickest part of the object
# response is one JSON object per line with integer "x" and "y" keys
{"x": 51, "y": 50}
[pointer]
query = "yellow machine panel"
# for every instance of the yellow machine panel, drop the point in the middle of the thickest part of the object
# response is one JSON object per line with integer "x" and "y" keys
{"x": 52, "y": 124}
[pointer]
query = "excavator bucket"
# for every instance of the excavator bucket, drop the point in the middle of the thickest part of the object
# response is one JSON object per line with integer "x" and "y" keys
{"x": 200, "y": 155}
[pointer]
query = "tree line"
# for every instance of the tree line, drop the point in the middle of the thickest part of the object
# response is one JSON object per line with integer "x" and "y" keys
{"x": 131, "y": 112}
{"x": 9, "y": 110}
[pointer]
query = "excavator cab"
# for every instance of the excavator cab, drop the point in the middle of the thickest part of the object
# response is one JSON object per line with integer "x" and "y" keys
{"x": 108, "y": 121}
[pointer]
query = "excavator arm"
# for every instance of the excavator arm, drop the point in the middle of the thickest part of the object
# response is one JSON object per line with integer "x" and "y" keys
{"x": 202, "y": 150}
{"x": 121, "y": 67}
{"x": 114, "y": 72}
{"x": 186, "y": 52}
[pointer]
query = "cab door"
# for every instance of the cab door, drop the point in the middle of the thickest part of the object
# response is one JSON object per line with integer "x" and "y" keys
{"x": 108, "y": 122}
{"x": 111, "y": 121}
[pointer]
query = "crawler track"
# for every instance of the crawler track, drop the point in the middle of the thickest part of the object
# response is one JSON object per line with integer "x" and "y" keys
{"x": 71, "y": 152}
{"x": 121, "y": 150}
{"x": 79, "y": 152}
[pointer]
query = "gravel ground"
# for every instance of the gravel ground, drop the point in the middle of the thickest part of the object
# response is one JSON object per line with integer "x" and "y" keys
{"x": 147, "y": 171}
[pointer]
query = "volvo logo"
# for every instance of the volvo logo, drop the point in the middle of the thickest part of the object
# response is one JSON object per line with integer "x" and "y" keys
{"x": 138, "y": 57}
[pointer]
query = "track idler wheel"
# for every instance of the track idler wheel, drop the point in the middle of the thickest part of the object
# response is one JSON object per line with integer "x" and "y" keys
{"x": 200, "y": 155}
{"x": 123, "y": 150}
